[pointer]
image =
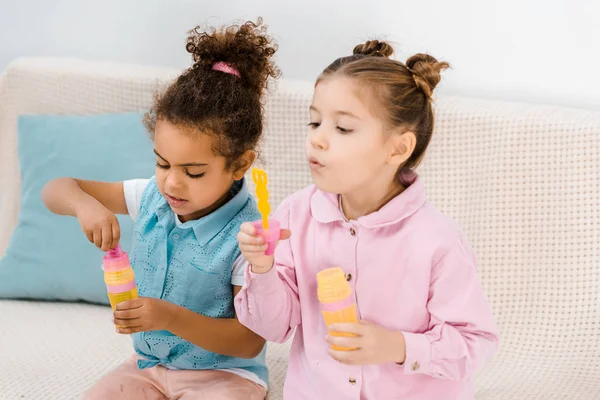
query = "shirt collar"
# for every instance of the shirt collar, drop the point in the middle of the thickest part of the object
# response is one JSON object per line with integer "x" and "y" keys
{"x": 210, "y": 225}
{"x": 325, "y": 206}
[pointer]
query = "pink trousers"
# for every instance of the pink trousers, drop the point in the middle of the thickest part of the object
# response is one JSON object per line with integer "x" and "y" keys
{"x": 127, "y": 382}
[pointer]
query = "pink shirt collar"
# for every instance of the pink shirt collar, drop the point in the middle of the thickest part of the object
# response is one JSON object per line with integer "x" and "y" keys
{"x": 325, "y": 206}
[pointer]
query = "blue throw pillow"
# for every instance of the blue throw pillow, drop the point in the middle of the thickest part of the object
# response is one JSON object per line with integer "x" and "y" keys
{"x": 48, "y": 256}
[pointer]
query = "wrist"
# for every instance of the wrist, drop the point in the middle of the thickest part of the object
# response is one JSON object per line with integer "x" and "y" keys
{"x": 398, "y": 347}
{"x": 81, "y": 201}
{"x": 172, "y": 317}
{"x": 259, "y": 270}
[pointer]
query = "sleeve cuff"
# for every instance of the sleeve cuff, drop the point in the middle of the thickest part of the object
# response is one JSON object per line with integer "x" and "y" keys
{"x": 130, "y": 200}
{"x": 269, "y": 280}
{"x": 418, "y": 354}
{"x": 237, "y": 280}
{"x": 238, "y": 271}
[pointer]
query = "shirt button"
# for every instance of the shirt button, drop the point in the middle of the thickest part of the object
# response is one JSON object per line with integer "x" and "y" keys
{"x": 353, "y": 231}
{"x": 348, "y": 277}
{"x": 176, "y": 236}
{"x": 352, "y": 381}
{"x": 415, "y": 366}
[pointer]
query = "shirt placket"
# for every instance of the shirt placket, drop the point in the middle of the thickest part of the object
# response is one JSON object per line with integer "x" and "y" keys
{"x": 353, "y": 379}
{"x": 162, "y": 263}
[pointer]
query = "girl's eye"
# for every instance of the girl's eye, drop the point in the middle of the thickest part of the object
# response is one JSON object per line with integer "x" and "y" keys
{"x": 193, "y": 176}
{"x": 196, "y": 176}
{"x": 314, "y": 125}
{"x": 343, "y": 130}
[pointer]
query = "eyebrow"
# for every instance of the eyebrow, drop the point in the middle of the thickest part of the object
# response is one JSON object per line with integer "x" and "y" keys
{"x": 182, "y": 165}
{"x": 338, "y": 112}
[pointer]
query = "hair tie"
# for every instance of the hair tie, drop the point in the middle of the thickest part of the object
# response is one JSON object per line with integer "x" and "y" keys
{"x": 422, "y": 85}
{"x": 225, "y": 67}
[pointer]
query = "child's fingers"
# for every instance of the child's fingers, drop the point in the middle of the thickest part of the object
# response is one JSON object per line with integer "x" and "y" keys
{"x": 97, "y": 238}
{"x": 89, "y": 235}
{"x": 248, "y": 229}
{"x": 351, "y": 342}
{"x": 129, "y": 330}
{"x": 285, "y": 234}
{"x": 356, "y": 329}
{"x": 126, "y": 323}
{"x": 126, "y": 314}
{"x": 253, "y": 248}
{"x": 244, "y": 238}
{"x": 106, "y": 238}
{"x": 252, "y": 257}
{"x": 116, "y": 234}
{"x": 348, "y": 357}
{"x": 131, "y": 304}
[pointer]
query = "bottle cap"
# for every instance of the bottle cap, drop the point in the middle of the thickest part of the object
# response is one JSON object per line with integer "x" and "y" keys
{"x": 332, "y": 285}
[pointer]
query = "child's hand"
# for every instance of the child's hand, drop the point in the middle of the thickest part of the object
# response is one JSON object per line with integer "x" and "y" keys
{"x": 101, "y": 227}
{"x": 253, "y": 248}
{"x": 143, "y": 314}
{"x": 374, "y": 344}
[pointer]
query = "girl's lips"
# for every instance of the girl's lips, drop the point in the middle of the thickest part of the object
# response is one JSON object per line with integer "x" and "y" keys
{"x": 314, "y": 163}
{"x": 175, "y": 202}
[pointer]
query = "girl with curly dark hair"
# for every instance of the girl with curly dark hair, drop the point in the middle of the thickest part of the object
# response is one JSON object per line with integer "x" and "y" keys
{"x": 205, "y": 126}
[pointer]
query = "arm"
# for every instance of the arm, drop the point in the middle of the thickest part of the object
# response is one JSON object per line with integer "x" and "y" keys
{"x": 462, "y": 335}
{"x": 268, "y": 303}
{"x": 64, "y": 196}
{"x": 225, "y": 336}
{"x": 93, "y": 203}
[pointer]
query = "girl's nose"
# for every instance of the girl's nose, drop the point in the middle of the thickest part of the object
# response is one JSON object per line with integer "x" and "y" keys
{"x": 318, "y": 139}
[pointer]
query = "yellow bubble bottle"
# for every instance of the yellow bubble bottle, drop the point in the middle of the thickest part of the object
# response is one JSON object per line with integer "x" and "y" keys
{"x": 337, "y": 301}
{"x": 118, "y": 276}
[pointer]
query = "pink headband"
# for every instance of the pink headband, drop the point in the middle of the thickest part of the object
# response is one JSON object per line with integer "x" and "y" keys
{"x": 226, "y": 67}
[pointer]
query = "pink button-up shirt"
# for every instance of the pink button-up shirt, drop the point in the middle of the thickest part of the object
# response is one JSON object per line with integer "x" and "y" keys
{"x": 410, "y": 270}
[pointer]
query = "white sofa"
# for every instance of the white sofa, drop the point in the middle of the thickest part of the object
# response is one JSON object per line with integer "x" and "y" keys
{"x": 523, "y": 181}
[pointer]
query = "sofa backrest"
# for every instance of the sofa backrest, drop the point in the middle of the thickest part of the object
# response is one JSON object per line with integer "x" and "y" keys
{"x": 523, "y": 180}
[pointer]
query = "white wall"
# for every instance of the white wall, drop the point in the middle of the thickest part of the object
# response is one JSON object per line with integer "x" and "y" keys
{"x": 531, "y": 50}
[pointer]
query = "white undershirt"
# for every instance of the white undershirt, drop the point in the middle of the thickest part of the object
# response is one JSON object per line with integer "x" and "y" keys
{"x": 133, "y": 190}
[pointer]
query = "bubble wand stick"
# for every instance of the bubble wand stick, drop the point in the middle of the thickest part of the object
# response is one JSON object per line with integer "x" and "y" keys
{"x": 269, "y": 229}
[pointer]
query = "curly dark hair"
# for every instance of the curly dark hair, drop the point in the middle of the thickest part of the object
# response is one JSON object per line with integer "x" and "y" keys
{"x": 224, "y": 105}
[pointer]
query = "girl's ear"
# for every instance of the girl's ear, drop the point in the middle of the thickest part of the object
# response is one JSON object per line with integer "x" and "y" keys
{"x": 243, "y": 164}
{"x": 401, "y": 147}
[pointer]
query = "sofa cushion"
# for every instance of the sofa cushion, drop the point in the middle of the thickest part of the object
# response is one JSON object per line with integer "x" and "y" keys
{"x": 48, "y": 256}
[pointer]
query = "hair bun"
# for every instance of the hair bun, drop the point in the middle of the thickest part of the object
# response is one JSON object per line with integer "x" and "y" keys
{"x": 426, "y": 71}
{"x": 374, "y": 48}
{"x": 247, "y": 48}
